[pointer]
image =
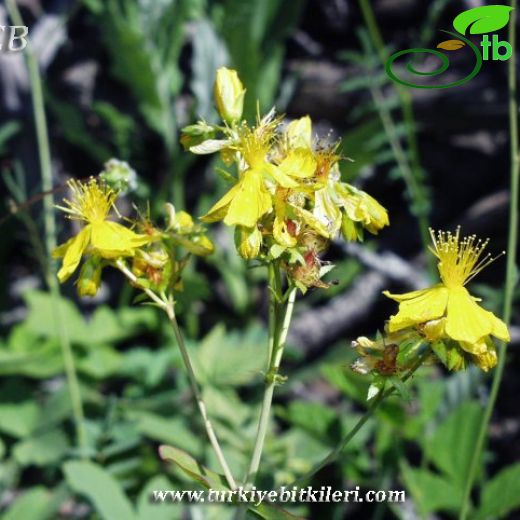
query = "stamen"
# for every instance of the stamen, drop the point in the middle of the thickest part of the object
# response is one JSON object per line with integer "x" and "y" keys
{"x": 90, "y": 201}
{"x": 460, "y": 260}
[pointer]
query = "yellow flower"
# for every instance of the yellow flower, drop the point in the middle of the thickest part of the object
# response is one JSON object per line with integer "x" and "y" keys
{"x": 250, "y": 199}
{"x": 337, "y": 205}
{"x": 229, "y": 94}
{"x": 91, "y": 203}
{"x": 465, "y": 321}
{"x": 244, "y": 204}
{"x": 360, "y": 207}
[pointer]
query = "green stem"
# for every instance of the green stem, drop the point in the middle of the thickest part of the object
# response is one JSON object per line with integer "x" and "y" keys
{"x": 414, "y": 189}
{"x": 511, "y": 269}
{"x": 272, "y": 310}
{"x": 276, "y": 345}
{"x": 271, "y": 381}
{"x": 168, "y": 308}
{"x": 50, "y": 231}
{"x": 411, "y": 170}
{"x": 336, "y": 452}
{"x": 198, "y": 397}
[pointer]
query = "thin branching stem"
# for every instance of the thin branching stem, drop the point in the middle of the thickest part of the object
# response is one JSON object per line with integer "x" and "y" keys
{"x": 409, "y": 164}
{"x": 336, "y": 452}
{"x": 511, "y": 269}
{"x": 168, "y": 308}
{"x": 50, "y": 232}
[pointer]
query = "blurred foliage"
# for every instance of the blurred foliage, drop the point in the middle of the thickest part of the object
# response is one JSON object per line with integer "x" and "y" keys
{"x": 161, "y": 56}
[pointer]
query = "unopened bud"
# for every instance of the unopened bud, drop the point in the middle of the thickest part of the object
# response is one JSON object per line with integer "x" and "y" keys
{"x": 229, "y": 94}
{"x": 248, "y": 241}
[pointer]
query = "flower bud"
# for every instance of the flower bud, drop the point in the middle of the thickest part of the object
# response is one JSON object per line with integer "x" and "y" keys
{"x": 119, "y": 176}
{"x": 89, "y": 277}
{"x": 248, "y": 241}
{"x": 487, "y": 359}
{"x": 351, "y": 230}
{"x": 299, "y": 133}
{"x": 229, "y": 94}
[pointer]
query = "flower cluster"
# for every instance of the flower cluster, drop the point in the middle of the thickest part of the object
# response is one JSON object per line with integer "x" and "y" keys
{"x": 445, "y": 316}
{"x": 287, "y": 200}
{"x": 103, "y": 241}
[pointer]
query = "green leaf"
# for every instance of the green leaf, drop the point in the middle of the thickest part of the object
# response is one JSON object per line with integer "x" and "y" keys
{"x": 41, "y": 320}
{"x": 19, "y": 419}
{"x": 430, "y": 492}
{"x": 196, "y": 471}
{"x": 33, "y": 504}
{"x": 484, "y": 19}
{"x": 243, "y": 361}
{"x": 165, "y": 429}
{"x": 209, "y": 479}
{"x": 401, "y": 388}
{"x": 101, "y": 362}
{"x": 7, "y": 130}
{"x": 42, "y": 450}
{"x": 501, "y": 495}
{"x": 150, "y": 510}
{"x": 272, "y": 512}
{"x": 101, "y": 489}
{"x": 209, "y": 53}
{"x": 72, "y": 124}
{"x": 453, "y": 443}
{"x": 146, "y": 366}
{"x": 151, "y": 35}
{"x": 255, "y": 33}
{"x": 30, "y": 356}
{"x": 316, "y": 419}
{"x": 347, "y": 381}
{"x": 225, "y": 405}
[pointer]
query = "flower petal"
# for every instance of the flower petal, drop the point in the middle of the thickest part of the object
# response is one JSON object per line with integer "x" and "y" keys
{"x": 500, "y": 329}
{"x": 279, "y": 175}
{"x": 326, "y": 211}
{"x": 112, "y": 240}
{"x": 72, "y": 256}
{"x": 251, "y": 201}
{"x": 408, "y": 295}
{"x": 299, "y": 163}
{"x": 299, "y": 132}
{"x": 488, "y": 359}
{"x": 219, "y": 209}
{"x": 466, "y": 320}
{"x": 425, "y": 305}
{"x": 311, "y": 221}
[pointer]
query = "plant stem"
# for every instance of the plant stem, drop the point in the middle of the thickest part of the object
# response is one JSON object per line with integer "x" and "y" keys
{"x": 414, "y": 189}
{"x": 198, "y": 397}
{"x": 411, "y": 170}
{"x": 276, "y": 347}
{"x": 168, "y": 308}
{"x": 336, "y": 452}
{"x": 271, "y": 381}
{"x": 511, "y": 268}
{"x": 50, "y": 231}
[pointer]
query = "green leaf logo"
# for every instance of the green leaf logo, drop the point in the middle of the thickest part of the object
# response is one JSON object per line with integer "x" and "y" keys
{"x": 481, "y": 20}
